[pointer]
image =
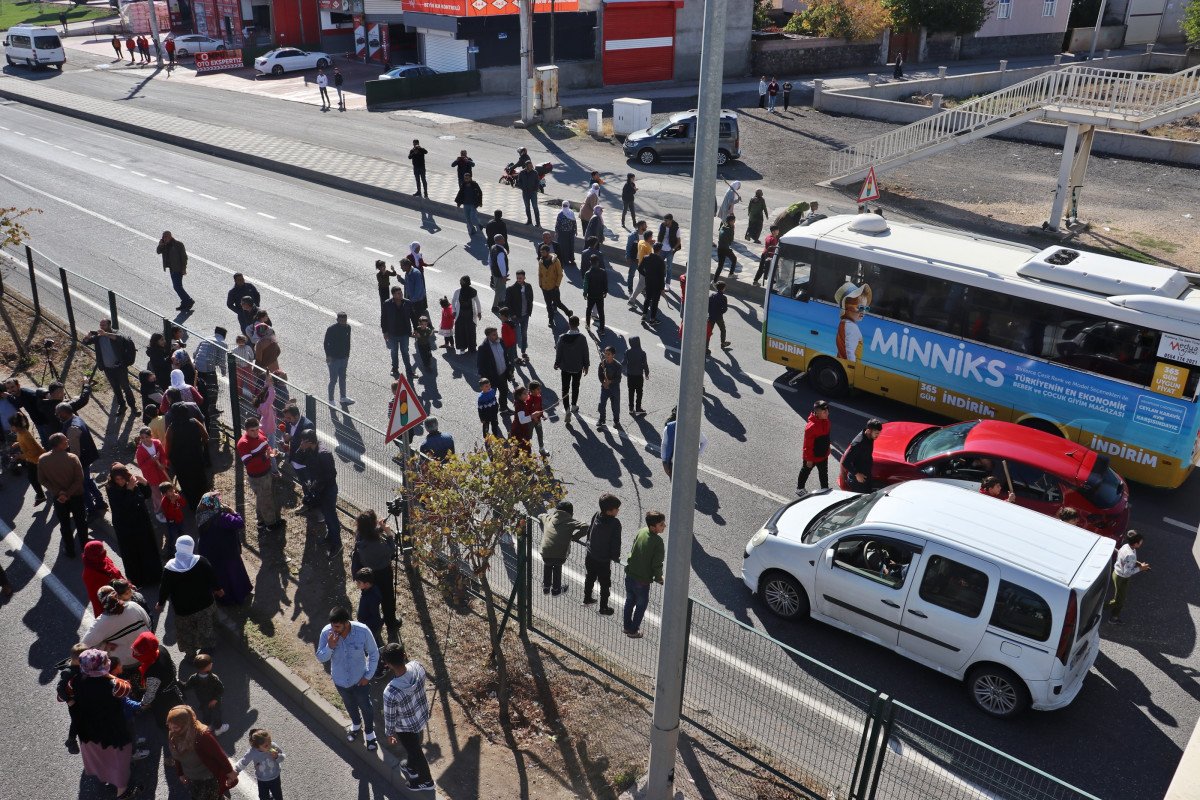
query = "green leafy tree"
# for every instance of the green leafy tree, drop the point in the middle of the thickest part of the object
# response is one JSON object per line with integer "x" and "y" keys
{"x": 1190, "y": 24}
{"x": 762, "y": 17}
{"x": 12, "y": 232}
{"x": 841, "y": 19}
{"x": 958, "y": 16}
{"x": 459, "y": 511}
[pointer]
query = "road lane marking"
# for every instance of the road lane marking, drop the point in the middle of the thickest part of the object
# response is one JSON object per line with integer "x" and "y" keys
{"x": 208, "y": 196}
{"x": 337, "y": 238}
{"x": 235, "y": 205}
{"x": 116, "y": 166}
{"x": 48, "y": 578}
{"x": 301, "y": 227}
{"x": 102, "y": 161}
{"x": 130, "y": 229}
{"x": 380, "y": 253}
{"x": 36, "y": 139}
{"x": 160, "y": 180}
{"x": 184, "y": 188}
{"x": 60, "y": 147}
{"x": 2, "y": 128}
{"x": 18, "y": 133}
{"x": 139, "y": 174}
{"x": 1178, "y": 524}
{"x": 264, "y": 214}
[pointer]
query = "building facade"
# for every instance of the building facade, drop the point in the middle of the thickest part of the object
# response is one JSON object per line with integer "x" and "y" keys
{"x": 1020, "y": 28}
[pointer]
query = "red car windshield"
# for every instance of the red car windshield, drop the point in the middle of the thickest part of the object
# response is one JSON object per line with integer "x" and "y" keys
{"x": 936, "y": 441}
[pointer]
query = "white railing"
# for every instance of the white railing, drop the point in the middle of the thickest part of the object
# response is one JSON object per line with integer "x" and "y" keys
{"x": 1133, "y": 95}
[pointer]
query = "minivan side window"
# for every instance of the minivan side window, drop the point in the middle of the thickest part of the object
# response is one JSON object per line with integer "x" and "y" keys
{"x": 883, "y": 561}
{"x": 1020, "y": 611}
{"x": 954, "y": 586}
{"x": 19, "y": 41}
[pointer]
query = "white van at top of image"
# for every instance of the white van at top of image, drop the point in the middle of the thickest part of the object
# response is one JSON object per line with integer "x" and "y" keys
{"x": 34, "y": 46}
{"x": 978, "y": 589}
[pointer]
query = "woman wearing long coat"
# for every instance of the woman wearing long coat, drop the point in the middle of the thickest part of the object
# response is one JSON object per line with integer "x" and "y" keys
{"x": 219, "y": 539}
{"x": 187, "y": 442}
{"x": 104, "y": 739}
{"x": 136, "y": 537}
{"x": 467, "y": 312}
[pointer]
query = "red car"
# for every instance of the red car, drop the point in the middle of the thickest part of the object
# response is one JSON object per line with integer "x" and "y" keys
{"x": 1047, "y": 472}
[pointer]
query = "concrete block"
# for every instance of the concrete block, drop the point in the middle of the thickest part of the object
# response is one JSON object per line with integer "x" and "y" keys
{"x": 1003, "y": 65}
{"x": 937, "y": 103}
{"x": 872, "y": 79}
{"x": 941, "y": 72}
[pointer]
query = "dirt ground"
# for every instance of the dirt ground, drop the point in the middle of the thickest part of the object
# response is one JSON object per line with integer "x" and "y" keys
{"x": 574, "y": 732}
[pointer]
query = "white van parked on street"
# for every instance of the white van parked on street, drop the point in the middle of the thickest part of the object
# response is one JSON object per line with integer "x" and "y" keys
{"x": 979, "y": 589}
{"x": 34, "y": 46}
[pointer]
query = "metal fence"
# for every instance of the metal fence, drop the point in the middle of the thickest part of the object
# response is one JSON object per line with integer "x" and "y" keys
{"x": 823, "y": 733}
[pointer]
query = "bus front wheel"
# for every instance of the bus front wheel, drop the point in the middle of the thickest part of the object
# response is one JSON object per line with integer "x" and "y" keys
{"x": 828, "y": 377}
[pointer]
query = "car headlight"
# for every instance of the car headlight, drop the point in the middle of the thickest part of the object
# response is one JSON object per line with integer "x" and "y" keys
{"x": 757, "y": 539}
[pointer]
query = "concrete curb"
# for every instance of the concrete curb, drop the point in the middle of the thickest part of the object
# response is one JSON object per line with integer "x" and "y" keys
{"x": 307, "y": 698}
{"x": 614, "y": 253}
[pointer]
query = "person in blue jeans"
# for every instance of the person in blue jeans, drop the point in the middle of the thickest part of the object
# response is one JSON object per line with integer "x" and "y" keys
{"x": 645, "y": 566}
{"x": 350, "y": 650}
{"x": 319, "y": 477}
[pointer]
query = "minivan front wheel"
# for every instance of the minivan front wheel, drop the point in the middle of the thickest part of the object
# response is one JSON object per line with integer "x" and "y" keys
{"x": 722, "y": 158}
{"x": 997, "y": 692}
{"x": 784, "y": 596}
{"x": 647, "y": 156}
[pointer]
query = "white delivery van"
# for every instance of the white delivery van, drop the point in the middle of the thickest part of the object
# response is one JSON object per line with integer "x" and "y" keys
{"x": 34, "y": 46}
{"x": 974, "y": 587}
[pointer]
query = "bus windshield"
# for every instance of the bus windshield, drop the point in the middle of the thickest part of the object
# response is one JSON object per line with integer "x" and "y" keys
{"x": 935, "y": 441}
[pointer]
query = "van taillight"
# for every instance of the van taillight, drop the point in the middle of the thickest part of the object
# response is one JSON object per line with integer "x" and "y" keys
{"x": 1067, "y": 637}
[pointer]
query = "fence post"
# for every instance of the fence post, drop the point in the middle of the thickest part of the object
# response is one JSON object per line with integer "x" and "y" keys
{"x": 870, "y": 759}
{"x": 522, "y": 593}
{"x": 62, "y": 277}
{"x": 167, "y": 326}
{"x": 687, "y": 648}
{"x": 112, "y": 310}
{"x": 37, "y": 306}
{"x": 310, "y": 408}
{"x": 886, "y": 716}
{"x": 235, "y": 397}
{"x": 528, "y": 548}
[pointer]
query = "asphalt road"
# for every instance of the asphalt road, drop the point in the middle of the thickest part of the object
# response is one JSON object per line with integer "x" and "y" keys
{"x": 45, "y": 617}
{"x": 102, "y": 218}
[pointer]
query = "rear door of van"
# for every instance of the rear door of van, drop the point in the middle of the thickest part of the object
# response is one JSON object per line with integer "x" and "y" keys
{"x": 947, "y": 608}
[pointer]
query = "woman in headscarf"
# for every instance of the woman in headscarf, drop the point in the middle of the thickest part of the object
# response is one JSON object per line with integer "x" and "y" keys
{"x": 566, "y": 228}
{"x": 148, "y": 388}
{"x": 156, "y": 678}
{"x": 467, "y": 312}
{"x": 375, "y": 548}
{"x": 266, "y": 352}
{"x": 118, "y": 626}
{"x": 151, "y": 458}
{"x": 756, "y": 212}
{"x": 218, "y": 532}
{"x": 159, "y": 360}
{"x": 98, "y": 570}
{"x": 189, "y": 581}
{"x": 187, "y": 442}
{"x": 104, "y": 739}
{"x": 264, "y": 405}
{"x": 200, "y": 761}
{"x": 414, "y": 256}
{"x": 731, "y": 199}
{"x": 182, "y": 360}
{"x": 136, "y": 538}
{"x": 589, "y": 204}
{"x": 595, "y": 226}
{"x": 188, "y": 393}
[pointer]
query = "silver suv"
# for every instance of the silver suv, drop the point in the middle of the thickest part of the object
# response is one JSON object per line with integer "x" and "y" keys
{"x": 675, "y": 138}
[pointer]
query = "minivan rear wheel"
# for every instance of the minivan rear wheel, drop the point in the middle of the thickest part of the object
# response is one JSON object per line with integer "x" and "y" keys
{"x": 997, "y": 692}
{"x": 784, "y": 596}
{"x": 647, "y": 156}
{"x": 722, "y": 158}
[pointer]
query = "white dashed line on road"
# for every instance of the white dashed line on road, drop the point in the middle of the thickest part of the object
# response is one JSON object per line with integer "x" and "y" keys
{"x": 36, "y": 139}
{"x": 263, "y": 214}
{"x": 2, "y": 128}
{"x": 208, "y": 196}
{"x": 1178, "y": 524}
{"x": 160, "y": 180}
{"x": 18, "y": 133}
{"x": 337, "y": 238}
{"x": 102, "y": 161}
{"x": 380, "y": 253}
{"x": 235, "y": 205}
{"x": 115, "y": 166}
{"x": 60, "y": 147}
{"x": 139, "y": 174}
{"x": 185, "y": 189}
{"x": 301, "y": 227}
{"x": 76, "y": 152}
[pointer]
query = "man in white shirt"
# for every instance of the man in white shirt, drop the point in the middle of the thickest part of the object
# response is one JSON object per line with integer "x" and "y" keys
{"x": 1125, "y": 568}
{"x": 323, "y": 85}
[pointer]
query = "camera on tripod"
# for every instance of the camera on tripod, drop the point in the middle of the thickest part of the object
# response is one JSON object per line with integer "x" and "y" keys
{"x": 397, "y": 506}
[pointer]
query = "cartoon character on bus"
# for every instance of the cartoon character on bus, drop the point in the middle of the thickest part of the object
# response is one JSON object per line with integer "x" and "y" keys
{"x": 854, "y": 302}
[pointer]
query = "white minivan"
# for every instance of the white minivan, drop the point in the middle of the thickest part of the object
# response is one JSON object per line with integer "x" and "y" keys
{"x": 972, "y": 586}
{"x": 34, "y": 46}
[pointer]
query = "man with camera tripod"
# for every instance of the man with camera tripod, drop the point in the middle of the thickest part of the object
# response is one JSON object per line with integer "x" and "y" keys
{"x": 115, "y": 353}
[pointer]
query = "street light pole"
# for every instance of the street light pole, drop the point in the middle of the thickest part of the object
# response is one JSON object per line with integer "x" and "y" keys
{"x": 154, "y": 32}
{"x": 525, "y": 9}
{"x": 668, "y": 685}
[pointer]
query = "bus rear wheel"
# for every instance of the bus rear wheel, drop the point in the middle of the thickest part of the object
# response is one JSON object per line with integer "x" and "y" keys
{"x": 828, "y": 377}
{"x": 1045, "y": 426}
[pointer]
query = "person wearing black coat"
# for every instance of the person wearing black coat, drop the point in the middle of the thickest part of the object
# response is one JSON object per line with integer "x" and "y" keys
{"x": 491, "y": 364}
{"x": 654, "y": 271}
{"x": 627, "y": 193}
{"x": 529, "y": 182}
{"x": 396, "y": 323}
{"x": 137, "y": 540}
{"x": 469, "y": 199}
{"x": 496, "y": 225}
{"x": 595, "y": 289}
{"x": 321, "y": 489}
{"x": 241, "y": 288}
{"x": 464, "y": 165}
{"x": 518, "y": 298}
{"x": 603, "y": 548}
{"x": 859, "y": 459}
{"x": 187, "y": 442}
{"x": 417, "y": 156}
{"x": 572, "y": 358}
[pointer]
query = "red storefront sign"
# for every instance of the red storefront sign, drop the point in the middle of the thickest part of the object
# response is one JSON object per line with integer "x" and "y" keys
{"x": 385, "y": 44}
{"x": 219, "y": 60}
{"x": 360, "y": 36}
{"x": 483, "y": 8}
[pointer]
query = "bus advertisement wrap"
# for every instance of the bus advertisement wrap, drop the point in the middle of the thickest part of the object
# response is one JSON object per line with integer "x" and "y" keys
{"x": 966, "y": 380}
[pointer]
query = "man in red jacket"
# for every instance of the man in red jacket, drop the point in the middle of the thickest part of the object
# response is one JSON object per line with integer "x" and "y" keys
{"x": 816, "y": 447}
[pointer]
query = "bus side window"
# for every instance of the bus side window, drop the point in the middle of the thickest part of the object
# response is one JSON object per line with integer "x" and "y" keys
{"x": 784, "y": 270}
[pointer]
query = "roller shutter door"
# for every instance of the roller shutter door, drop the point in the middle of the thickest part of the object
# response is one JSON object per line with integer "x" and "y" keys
{"x": 445, "y": 53}
{"x": 639, "y": 42}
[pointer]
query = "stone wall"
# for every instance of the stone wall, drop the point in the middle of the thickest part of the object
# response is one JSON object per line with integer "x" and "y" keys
{"x": 1032, "y": 44}
{"x": 807, "y": 54}
{"x": 1111, "y": 38}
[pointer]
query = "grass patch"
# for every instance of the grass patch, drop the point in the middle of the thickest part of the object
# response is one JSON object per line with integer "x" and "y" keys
{"x": 47, "y": 14}
{"x": 1122, "y": 251}
{"x": 1154, "y": 243}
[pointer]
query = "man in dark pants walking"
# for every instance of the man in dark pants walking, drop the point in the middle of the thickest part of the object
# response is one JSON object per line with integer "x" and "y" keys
{"x": 571, "y": 357}
{"x": 550, "y": 278}
{"x": 338, "y": 80}
{"x": 174, "y": 258}
{"x": 114, "y": 354}
{"x": 417, "y": 156}
{"x": 241, "y": 288}
{"x": 725, "y": 247}
{"x": 463, "y": 165}
{"x": 491, "y": 363}
{"x": 595, "y": 289}
{"x": 320, "y": 486}
{"x": 603, "y": 548}
{"x": 718, "y": 304}
{"x": 519, "y": 299}
{"x": 816, "y": 447}
{"x": 529, "y": 183}
{"x": 627, "y": 193}
{"x": 61, "y": 474}
{"x": 654, "y": 270}
{"x": 859, "y": 459}
{"x": 609, "y": 371}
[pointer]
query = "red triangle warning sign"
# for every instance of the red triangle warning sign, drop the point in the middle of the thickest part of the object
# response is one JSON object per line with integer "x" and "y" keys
{"x": 407, "y": 411}
{"x": 870, "y": 188}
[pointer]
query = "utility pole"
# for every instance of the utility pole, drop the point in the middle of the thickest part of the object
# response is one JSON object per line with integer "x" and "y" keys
{"x": 525, "y": 9}
{"x": 154, "y": 32}
{"x": 668, "y": 684}
{"x": 1096, "y": 30}
{"x": 552, "y": 33}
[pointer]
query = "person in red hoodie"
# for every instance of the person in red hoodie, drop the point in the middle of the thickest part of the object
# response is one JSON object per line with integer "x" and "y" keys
{"x": 816, "y": 447}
